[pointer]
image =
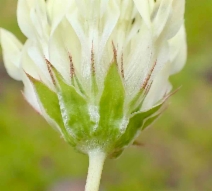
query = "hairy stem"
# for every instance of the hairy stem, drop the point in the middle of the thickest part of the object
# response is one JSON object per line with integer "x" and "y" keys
{"x": 96, "y": 162}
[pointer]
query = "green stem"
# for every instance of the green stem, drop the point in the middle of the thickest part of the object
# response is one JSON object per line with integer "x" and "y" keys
{"x": 96, "y": 162}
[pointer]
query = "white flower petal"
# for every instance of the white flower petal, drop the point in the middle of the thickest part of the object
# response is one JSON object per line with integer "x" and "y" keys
{"x": 160, "y": 88}
{"x": 139, "y": 61}
{"x": 11, "y": 53}
{"x": 32, "y": 18}
{"x": 93, "y": 29}
{"x": 64, "y": 43}
{"x": 178, "y": 51}
{"x": 57, "y": 10}
{"x": 162, "y": 52}
{"x": 162, "y": 16}
{"x": 75, "y": 21}
{"x": 102, "y": 56}
{"x": 143, "y": 7}
{"x": 151, "y": 4}
{"x": 23, "y": 16}
{"x": 28, "y": 65}
{"x": 35, "y": 53}
{"x": 29, "y": 93}
{"x": 175, "y": 20}
{"x": 38, "y": 15}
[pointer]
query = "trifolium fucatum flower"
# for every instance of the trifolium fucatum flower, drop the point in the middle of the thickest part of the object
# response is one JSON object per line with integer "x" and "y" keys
{"x": 97, "y": 70}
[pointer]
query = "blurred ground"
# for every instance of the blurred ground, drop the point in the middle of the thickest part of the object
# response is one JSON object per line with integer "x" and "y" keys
{"x": 177, "y": 151}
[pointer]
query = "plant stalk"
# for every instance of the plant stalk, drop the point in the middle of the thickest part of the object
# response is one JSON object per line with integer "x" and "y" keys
{"x": 96, "y": 163}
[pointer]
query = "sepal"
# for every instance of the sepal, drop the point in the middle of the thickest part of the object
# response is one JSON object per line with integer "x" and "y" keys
{"x": 111, "y": 107}
{"x": 137, "y": 122}
{"x": 50, "y": 104}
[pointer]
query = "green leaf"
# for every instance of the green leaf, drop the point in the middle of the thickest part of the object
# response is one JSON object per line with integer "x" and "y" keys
{"x": 50, "y": 103}
{"x": 135, "y": 124}
{"x": 111, "y": 107}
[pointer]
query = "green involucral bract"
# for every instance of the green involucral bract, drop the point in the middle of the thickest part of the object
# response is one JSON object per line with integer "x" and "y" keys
{"x": 107, "y": 126}
{"x": 49, "y": 101}
{"x": 138, "y": 121}
{"x": 111, "y": 109}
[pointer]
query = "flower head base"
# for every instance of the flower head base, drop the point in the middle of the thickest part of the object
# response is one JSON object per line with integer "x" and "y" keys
{"x": 97, "y": 70}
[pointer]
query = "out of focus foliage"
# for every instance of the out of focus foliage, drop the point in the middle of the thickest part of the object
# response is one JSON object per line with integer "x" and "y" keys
{"x": 177, "y": 151}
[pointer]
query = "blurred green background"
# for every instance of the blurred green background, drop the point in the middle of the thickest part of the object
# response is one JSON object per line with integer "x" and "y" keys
{"x": 177, "y": 151}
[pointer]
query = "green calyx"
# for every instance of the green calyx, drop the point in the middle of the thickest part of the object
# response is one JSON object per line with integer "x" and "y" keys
{"x": 107, "y": 125}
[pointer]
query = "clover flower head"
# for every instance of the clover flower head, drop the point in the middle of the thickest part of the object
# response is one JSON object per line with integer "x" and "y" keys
{"x": 97, "y": 70}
